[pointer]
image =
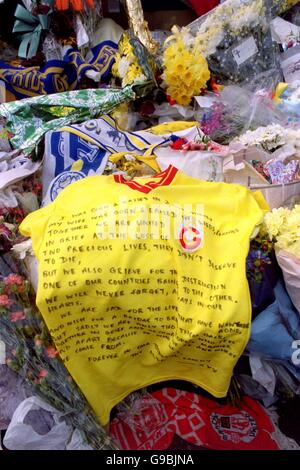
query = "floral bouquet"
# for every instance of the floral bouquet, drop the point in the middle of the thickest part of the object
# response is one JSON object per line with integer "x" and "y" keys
{"x": 282, "y": 226}
{"x": 186, "y": 70}
{"x": 222, "y": 123}
{"x": 133, "y": 63}
{"x": 31, "y": 354}
{"x": 235, "y": 38}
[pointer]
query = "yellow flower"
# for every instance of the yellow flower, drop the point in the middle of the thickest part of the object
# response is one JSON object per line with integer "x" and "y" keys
{"x": 134, "y": 72}
{"x": 125, "y": 47}
{"x": 115, "y": 67}
{"x": 126, "y": 66}
{"x": 283, "y": 225}
{"x": 185, "y": 71}
{"x": 178, "y": 67}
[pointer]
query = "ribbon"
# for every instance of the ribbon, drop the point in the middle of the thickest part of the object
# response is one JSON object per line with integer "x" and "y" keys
{"x": 279, "y": 90}
{"x": 32, "y": 27}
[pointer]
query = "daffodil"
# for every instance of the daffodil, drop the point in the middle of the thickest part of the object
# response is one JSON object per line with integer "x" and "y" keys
{"x": 125, "y": 47}
{"x": 185, "y": 70}
{"x": 126, "y": 66}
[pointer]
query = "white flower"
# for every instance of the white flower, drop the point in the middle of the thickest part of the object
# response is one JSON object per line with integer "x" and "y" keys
{"x": 269, "y": 137}
{"x": 22, "y": 249}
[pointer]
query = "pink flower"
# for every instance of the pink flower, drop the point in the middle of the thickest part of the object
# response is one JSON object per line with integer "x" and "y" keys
{"x": 43, "y": 373}
{"x": 14, "y": 283}
{"x": 51, "y": 352}
{"x": 5, "y": 231}
{"x": 16, "y": 316}
{"x": 5, "y": 301}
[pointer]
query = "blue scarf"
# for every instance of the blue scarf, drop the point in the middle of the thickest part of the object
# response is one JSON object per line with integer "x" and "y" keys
{"x": 57, "y": 75}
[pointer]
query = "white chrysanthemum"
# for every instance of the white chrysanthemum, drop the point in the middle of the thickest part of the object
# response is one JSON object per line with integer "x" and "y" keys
{"x": 275, "y": 220}
{"x": 269, "y": 137}
{"x": 283, "y": 226}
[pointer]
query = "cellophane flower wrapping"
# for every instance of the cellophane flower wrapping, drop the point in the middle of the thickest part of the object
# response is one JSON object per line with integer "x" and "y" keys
{"x": 237, "y": 109}
{"x": 236, "y": 39}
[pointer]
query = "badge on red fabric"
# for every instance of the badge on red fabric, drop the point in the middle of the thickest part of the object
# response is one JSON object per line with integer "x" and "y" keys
{"x": 155, "y": 419}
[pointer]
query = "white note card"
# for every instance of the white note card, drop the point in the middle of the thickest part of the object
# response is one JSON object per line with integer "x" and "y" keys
{"x": 245, "y": 50}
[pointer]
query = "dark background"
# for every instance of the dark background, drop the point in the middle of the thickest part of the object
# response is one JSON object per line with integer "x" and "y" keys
{"x": 160, "y": 14}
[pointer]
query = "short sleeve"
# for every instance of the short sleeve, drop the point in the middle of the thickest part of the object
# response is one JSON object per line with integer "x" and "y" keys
{"x": 35, "y": 225}
{"x": 250, "y": 210}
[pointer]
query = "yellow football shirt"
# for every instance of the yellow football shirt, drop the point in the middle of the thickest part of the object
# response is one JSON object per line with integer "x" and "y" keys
{"x": 144, "y": 281}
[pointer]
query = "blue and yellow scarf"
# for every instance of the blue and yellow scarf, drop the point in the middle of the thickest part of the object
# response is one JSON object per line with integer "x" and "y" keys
{"x": 56, "y": 76}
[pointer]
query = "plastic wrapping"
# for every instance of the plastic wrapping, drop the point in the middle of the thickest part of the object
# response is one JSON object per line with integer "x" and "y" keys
{"x": 290, "y": 266}
{"x": 36, "y": 426}
{"x": 12, "y": 393}
{"x": 52, "y": 49}
{"x": 91, "y": 23}
{"x": 237, "y": 109}
{"x": 237, "y": 41}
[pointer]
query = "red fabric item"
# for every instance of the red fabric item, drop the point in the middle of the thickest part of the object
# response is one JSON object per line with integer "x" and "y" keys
{"x": 76, "y": 5}
{"x": 177, "y": 145}
{"x": 203, "y": 6}
{"x": 155, "y": 419}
